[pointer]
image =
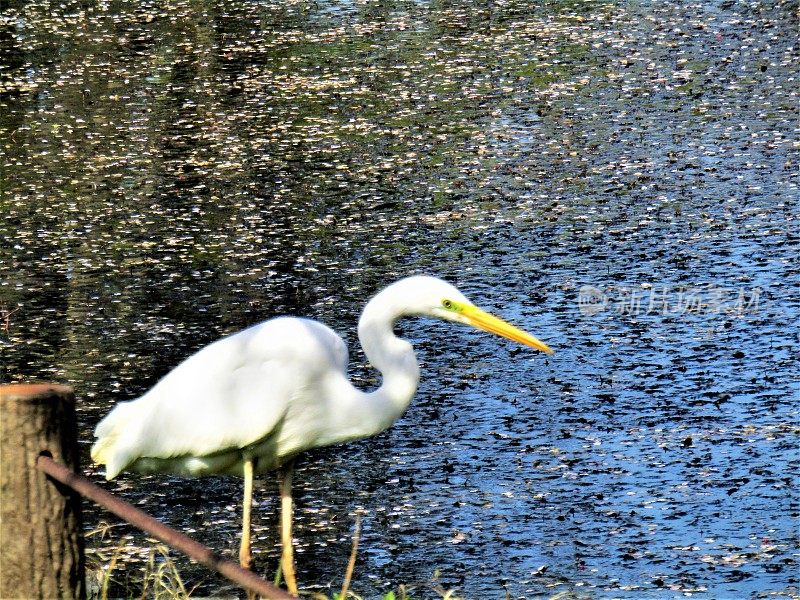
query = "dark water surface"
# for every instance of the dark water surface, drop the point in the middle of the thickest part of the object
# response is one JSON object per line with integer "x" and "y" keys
{"x": 619, "y": 178}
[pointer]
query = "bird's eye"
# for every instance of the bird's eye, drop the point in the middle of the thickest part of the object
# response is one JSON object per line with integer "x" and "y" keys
{"x": 448, "y": 304}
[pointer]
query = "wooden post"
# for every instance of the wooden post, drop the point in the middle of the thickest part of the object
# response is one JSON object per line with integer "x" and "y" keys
{"x": 41, "y": 542}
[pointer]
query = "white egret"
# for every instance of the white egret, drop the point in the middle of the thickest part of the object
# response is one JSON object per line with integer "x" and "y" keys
{"x": 250, "y": 402}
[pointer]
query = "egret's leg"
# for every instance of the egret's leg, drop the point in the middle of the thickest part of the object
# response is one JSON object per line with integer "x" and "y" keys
{"x": 245, "y": 558}
{"x": 287, "y": 555}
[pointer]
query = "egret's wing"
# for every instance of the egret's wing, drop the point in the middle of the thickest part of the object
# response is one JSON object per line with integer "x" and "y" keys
{"x": 211, "y": 413}
{"x": 229, "y": 395}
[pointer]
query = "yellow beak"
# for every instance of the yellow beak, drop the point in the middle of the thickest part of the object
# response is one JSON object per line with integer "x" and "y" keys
{"x": 483, "y": 320}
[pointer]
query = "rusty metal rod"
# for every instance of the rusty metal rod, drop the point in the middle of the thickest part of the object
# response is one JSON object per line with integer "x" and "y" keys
{"x": 194, "y": 550}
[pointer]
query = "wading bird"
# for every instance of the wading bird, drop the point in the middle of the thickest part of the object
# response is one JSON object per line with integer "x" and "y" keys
{"x": 250, "y": 402}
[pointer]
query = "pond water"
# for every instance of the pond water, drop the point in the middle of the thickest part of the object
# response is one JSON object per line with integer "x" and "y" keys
{"x": 620, "y": 178}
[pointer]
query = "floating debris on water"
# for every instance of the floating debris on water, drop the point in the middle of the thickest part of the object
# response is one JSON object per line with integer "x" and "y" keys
{"x": 624, "y": 176}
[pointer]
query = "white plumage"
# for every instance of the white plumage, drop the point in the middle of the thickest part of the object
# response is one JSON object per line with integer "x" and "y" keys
{"x": 280, "y": 387}
{"x": 241, "y": 391}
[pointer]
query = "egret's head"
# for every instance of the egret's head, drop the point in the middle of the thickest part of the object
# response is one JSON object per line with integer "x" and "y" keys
{"x": 423, "y": 295}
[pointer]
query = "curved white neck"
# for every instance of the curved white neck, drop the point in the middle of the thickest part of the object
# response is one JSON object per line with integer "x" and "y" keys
{"x": 361, "y": 414}
{"x": 392, "y": 356}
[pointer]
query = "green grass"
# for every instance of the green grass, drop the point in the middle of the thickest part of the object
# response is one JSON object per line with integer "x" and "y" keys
{"x": 161, "y": 579}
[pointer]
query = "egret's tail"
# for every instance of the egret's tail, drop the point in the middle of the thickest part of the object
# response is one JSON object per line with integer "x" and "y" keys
{"x": 109, "y": 449}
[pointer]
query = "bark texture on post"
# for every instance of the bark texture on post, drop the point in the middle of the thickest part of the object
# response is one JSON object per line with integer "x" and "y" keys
{"x": 41, "y": 542}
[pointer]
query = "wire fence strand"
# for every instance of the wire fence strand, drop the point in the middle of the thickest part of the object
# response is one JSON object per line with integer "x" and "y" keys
{"x": 191, "y": 548}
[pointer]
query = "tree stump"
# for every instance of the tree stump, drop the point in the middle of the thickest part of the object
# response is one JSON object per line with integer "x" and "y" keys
{"x": 41, "y": 542}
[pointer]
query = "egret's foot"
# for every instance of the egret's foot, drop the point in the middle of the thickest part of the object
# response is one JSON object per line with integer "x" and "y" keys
{"x": 245, "y": 558}
{"x": 246, "y": 562}
{"x": 287, "y": 553}
{"x": 287, "y": 566}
